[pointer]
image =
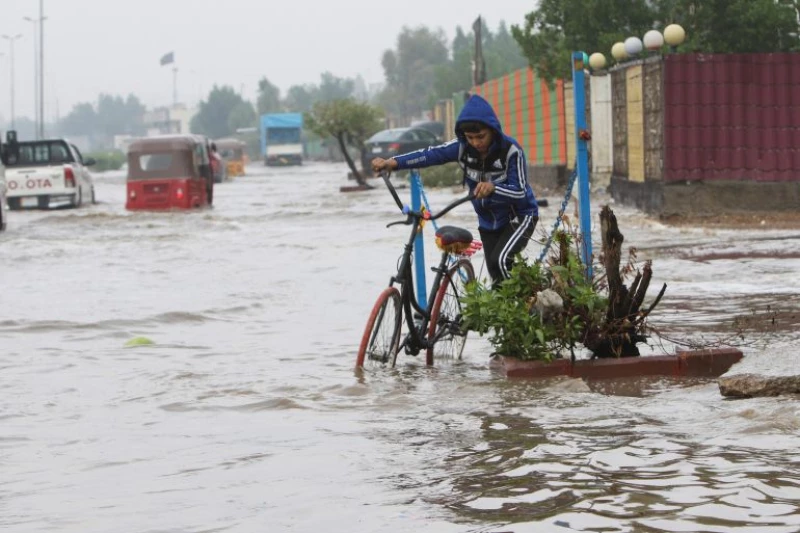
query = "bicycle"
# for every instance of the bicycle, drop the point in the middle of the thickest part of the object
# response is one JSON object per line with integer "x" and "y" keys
{"x": 436, "y": 328}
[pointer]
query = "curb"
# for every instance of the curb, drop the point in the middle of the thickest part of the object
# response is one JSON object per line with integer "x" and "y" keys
{"x": 709, "y": 363}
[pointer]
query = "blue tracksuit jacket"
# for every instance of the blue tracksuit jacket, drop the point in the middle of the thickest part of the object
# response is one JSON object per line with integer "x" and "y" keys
{"x": 504, "y": 166}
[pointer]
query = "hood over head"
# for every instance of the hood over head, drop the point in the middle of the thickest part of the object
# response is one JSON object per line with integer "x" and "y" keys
{"x": 478, "y": 110}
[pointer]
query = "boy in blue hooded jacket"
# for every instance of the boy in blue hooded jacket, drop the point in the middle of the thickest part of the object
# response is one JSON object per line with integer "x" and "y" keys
{"x": 496, "y": 173}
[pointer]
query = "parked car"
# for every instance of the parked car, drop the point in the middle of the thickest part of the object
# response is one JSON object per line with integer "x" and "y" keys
{"x": 437, "y": 128}
{"x": 395, "y": 141}
{"x": 47, "y": 173}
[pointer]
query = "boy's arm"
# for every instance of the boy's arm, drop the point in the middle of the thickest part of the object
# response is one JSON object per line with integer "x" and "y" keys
{"x": 426, "y": 157}
{"x": 516, "y": 177}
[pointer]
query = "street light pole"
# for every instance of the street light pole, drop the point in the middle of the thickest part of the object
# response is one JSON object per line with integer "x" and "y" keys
{"x": 35, "y": 73}
{"x": 11, "y": 39}
{"x": 41, "y": 69}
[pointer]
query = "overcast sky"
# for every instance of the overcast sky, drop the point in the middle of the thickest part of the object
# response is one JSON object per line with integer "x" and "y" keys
{"x": 114, "y": 46}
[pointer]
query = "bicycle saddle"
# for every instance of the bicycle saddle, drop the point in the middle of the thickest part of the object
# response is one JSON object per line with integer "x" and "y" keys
{"x": 453, "y": 240}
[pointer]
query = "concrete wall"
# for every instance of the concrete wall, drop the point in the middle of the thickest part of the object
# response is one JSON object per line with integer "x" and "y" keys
{"x": 602, "y": 130}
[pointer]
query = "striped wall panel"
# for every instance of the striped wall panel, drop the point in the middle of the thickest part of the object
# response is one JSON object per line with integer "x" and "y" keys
{"x": 532, "y": 112}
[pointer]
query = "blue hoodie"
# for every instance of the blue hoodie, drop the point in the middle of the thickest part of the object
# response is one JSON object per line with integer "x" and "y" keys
{"x": 507, "y": 168}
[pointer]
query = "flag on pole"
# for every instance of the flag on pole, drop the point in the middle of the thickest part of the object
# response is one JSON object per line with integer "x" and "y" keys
{"x": 166, "y": 59}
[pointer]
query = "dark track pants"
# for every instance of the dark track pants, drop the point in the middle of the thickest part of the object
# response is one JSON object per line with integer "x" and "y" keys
{"x": 500, "y": 246}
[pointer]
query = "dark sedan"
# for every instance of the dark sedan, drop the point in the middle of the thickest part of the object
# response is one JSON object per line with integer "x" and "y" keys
{"x": 395, "y": 141}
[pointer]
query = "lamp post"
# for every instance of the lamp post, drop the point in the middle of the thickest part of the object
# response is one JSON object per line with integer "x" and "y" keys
{"x": 11, "y": 39}
{"x": 35, "y": 72}
{"x": 41, "y": 68}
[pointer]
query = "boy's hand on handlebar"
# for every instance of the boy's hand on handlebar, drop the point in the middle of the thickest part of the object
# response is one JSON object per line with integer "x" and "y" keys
{"x": 379, "y": 164}
{"x": 483, "y": 189}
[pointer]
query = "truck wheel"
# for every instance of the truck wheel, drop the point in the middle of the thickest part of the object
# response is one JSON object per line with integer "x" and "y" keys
{"x": 78, "y": 201}
{"x": 94, "y": 200}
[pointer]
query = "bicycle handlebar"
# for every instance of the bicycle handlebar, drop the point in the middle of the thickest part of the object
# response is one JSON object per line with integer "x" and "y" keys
{"x": 418, "y": 214}
{"x": 385, "y": 175}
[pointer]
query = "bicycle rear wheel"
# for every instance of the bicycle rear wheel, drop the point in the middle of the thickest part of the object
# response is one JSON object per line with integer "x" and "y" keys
{"x": 445, "y": 326}
{"x": 381, "y": 339}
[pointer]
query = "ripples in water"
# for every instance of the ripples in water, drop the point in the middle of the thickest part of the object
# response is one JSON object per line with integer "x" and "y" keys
{"x": 247, "y": 397}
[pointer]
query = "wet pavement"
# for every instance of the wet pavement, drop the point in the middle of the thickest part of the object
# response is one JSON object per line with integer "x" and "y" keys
{"x": 245, "y": 414}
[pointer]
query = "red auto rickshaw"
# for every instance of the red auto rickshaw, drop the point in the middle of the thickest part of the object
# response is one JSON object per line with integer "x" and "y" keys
{"x": 169, "y": 172}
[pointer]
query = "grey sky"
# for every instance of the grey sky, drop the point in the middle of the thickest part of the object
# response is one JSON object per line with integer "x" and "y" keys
{"x": 113, "y": 46}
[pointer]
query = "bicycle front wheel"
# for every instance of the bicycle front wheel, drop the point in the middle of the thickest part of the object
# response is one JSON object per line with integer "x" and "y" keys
{"x": 381, "y": 339}
{"x": 445, "y": 331}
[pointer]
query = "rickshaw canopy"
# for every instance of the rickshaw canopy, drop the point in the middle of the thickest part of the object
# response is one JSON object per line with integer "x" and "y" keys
{"x": 164, "y": 157}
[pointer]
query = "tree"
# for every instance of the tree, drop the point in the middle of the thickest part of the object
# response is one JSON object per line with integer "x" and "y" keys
{"x": 111, "y": 116}
{"x": 456, "y": 74}
{"x": 410, "y": 70}
{"x": 269, "y": 97}
{"x": 135, "y": 110}
{"x": 242, "y": 116}
{"x": 333, "y": 88}
{"x": 81, "y": 120}
{"x": 117, "y": 116}
{"x": 300, "y": 98}
{"x": 734, "y": 26}
{"x": 559, "y": 27}
{"x": 501, "y": 53}
{"x": 349, "y": 122}
{"x": 214, "y": 115}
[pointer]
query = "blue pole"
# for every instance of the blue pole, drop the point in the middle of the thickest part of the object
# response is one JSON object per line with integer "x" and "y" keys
{"x": 578, "y": 80}
{"x": 419, "y": 244}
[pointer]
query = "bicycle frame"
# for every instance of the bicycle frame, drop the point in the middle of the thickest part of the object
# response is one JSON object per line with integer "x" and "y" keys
{"x": 416, "y": 340}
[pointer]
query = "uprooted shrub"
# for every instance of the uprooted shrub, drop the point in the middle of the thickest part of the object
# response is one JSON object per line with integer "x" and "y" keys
{"x": 538, "y": 313}
{"x": 545, "y": 311}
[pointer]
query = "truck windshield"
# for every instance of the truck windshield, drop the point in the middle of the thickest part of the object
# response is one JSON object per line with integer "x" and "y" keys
{"x": 283, "y": 135}
{"x": 42, "y": 153}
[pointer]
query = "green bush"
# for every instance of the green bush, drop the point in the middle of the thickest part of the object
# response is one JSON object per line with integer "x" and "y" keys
{"x": 106, "y": 160}
{"x": 508, "y": 312}
{"x": 446, "y": 175}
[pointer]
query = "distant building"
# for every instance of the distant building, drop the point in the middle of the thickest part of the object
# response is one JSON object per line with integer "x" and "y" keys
{"x": 167, "y": 120}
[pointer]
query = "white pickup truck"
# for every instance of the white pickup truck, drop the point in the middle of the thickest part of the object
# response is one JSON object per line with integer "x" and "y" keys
{"x": 47, "y": 173}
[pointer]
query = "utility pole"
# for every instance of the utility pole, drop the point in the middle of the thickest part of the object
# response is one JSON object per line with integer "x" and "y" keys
{"x": 11, "y": 39}
{"x": 35, "y": 72}
{"x": 174, "y": 86}
{"x": 41, "y": 69}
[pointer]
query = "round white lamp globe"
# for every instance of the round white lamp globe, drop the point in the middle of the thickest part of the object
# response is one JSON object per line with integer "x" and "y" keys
{"x": 633, "y": 46}
{"x": 653, "y": 40}
{"x": 597, "y": 61}
{"x": 674, "y": 34}
{"x": 618, "y": 51}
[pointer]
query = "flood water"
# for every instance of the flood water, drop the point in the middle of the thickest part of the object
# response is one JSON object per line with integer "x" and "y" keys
{"x": 245, "y": 414}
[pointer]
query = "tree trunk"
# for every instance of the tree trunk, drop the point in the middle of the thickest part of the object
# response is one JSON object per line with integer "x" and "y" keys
{"x": 623, "y": 327}
{"x": 356, "y": 174}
